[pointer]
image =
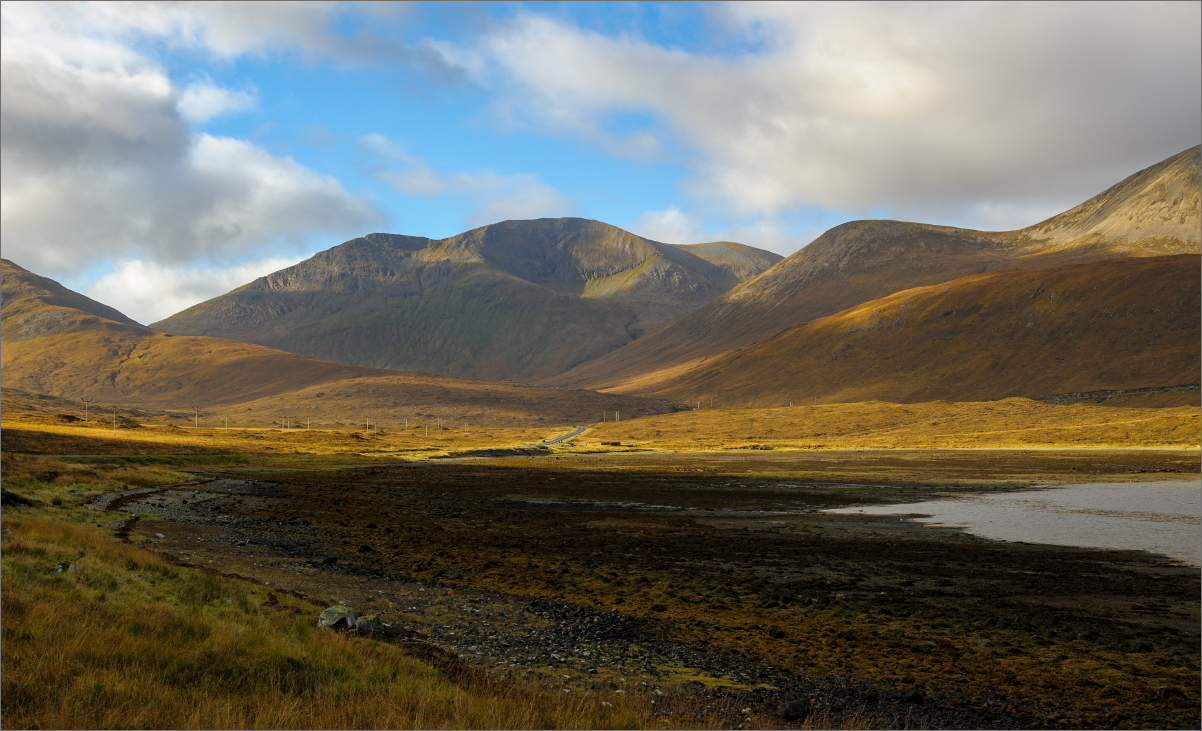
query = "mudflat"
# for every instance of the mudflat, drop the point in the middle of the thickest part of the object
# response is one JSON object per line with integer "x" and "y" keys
{"x": 717, "y": 572}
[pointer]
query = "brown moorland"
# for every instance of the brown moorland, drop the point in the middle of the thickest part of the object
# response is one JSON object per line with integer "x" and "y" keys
{"x": 50, "y": 347}
{"x": 1155, "y": 212}
{"x": 515, "y": 299}
{"x": 1130, "y": 323}
{"x": 710, "y": 574}
{"x": 1007, "y": 424}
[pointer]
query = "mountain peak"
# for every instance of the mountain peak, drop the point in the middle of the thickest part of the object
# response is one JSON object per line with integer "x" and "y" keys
{"x": 1156, "y": 210}
{"x": 36, "y": 306}
{"x": 521, "y": 298}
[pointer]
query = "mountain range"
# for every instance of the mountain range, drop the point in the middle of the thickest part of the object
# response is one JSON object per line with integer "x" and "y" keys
{"x": 520, "y": 299}
{"x": 60, "y": 343}
{"x": 1104, "y": 296}
{"x": 1152, "y": 213}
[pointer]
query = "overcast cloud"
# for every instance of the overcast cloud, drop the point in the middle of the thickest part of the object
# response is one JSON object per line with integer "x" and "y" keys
{"x": 99, "y": 161}
{"x": 991, "y": 113}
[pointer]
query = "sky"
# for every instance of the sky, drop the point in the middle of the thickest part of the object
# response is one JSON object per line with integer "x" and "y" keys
{"x": 155, "y": 155}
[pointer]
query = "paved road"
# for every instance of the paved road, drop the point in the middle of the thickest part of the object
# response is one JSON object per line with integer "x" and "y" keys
{"x": 562, "y": 437}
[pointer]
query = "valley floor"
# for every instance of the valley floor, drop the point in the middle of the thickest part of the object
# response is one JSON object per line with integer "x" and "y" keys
{"x": 702, "y": 580}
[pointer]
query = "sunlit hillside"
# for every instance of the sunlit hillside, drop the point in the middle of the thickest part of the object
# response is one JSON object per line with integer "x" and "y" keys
{"x": 1154, "y": 212}
{"x": 1119, "y": 324}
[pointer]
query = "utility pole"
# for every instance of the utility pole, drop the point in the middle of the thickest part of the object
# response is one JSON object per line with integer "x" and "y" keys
{"x": 195, "y": 417}
{"x": 711, "y": 402}
{"x": 815, "y": 400}
{"x": 114, "y": 417}
{"x": 406, "y": 425}
{"x": 617, "y": 416}
{"x": 227, "y": 422}
{"x": 308, "y": 422}
{"x": 602, "y": 417}
{"x": 465, "y": 426}
{"x": 427, "y": 431}
{"x": 86, "y": 400}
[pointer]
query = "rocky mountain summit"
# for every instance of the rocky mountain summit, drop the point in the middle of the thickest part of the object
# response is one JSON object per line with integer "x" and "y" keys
{"x": 517, "y": 299}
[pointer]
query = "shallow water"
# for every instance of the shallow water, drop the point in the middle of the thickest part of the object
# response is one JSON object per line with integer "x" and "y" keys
{"x": 1162, "y": 517}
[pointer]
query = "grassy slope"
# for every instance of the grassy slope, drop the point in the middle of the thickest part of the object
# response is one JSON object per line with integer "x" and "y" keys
{"x": 1153, "y": 212}
{"x": 119, "y": 364}
{"x": 518, "y": 299}
{"x": 1116, "y": 324}
{"x": 482, "y": 324}
{"x": 35, "y": 306}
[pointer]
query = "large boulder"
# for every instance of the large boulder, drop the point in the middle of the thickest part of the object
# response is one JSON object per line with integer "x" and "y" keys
{"x": 368, "y": 624}
{"x": 338, "y": 619}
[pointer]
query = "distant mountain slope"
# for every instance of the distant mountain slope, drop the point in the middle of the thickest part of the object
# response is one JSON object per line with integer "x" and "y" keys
{"x": 35, "y": 307}
{"x": 1154, "y": 212}
{"x": 518, "y": 299}
{"x": 123, "y": 363}
{"x": 1116, "y": 324}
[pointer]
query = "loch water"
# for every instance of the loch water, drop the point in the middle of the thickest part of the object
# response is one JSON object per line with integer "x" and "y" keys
{"x": 1161, "y": 517}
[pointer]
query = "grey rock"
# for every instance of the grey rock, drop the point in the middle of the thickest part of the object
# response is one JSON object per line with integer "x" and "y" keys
{"x": 985, "y": 643}
{"x": 338, "y": 618}
{"x": 369, "y": 624}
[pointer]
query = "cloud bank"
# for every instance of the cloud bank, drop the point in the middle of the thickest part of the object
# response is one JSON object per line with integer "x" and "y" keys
{"x": 98, "y": 160}
{"x": 952, "y": 111}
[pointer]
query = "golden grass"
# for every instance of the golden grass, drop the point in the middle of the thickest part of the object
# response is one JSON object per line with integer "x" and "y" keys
{"x": 938, "y": 425}
{"x": 132, "y": 641}
{"x": 1115, "y": 324}
{"x": 1011, "y": 423}
{"x": 46, "y": 437}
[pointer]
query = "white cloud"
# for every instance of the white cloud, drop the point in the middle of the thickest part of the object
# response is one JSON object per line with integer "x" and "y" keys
{"x": 203, "y": 101}
{"x": 149, "y": 292}
{"x": 923, "y": 110}
{"x": 97, "y": 161}
{"x": 674, "y": 226}
{"x": 669, "y": 226}
{"x": 496, "y": 197}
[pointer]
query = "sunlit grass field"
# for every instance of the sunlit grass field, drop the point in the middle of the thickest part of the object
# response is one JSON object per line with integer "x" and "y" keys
{"x": 1012, "y": 423}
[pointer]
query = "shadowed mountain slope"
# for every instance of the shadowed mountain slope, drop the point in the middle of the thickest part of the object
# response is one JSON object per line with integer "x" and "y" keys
{"x": 1117, "y": 324}
{"x": 518, "y": 299}
{"x": 35, "y": 306}
{"x": 123, "y": 363}
{"x": 1154, "y": 212}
